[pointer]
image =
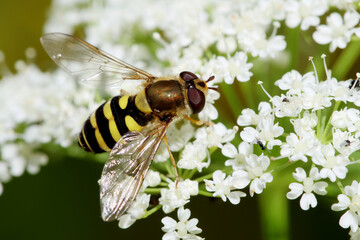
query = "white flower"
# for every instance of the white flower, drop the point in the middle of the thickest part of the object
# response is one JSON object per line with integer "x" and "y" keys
{"x": 226, "y": 45}
{"x": 258, "y": 44}
{"x": 184, "y": 229}
{"x": 307, "y": 188}
{"x": 237, "y": 156}
{"x": 175, "y": 197}
{"x": 333, "y": 166}
{"x": 4, "y": 172}
{"x": 20, "y": 157}
{"x": 152, "y": 179}
{"x": 344, "y": 142}
{"x": 222, "y": 187}
{"x": 196, "y": 152}
{"x": 346, "y": 119}
{"x": 351, "y": 201}
{"x": 179, "y": 137}
{"x": 249, "y": 117}
{"x": 339, "y": 89}
{"x": 305, "y": 125}
{"x": 297, "y": 147}
{"x": 135, "y": 211}
{"x": 10, "y": 153}
{"x": 286, "y": 106}
{"x": 215, "y": 135}
{"x": 354, "y": 235}
{"x": 254, "y": 172}
{"x": 236, "y": 67}
{"x": 306, "y": 12}
{"x": 318, "y": 97}
{"x": 193, "y": 156}
{"x": 162, "y": 154}
{"x": 295, "y": 82}
{"x": 266, "y": 131}
{"x": 338, "y": 31}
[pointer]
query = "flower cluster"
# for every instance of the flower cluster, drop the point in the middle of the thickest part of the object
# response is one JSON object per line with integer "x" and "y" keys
{"x": 37, "y": 110}
{"x": 309, "y": 128}
{"x": 323, "y": 141}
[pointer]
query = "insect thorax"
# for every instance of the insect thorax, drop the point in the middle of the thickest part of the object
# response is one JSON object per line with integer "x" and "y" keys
{"x": 166, "y": 98}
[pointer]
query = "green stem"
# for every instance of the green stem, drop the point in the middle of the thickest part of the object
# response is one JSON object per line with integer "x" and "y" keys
{"x": 153, "y": 190}
{"x": 341, "y": 187}
{"x": 168, "y": 169}
{"x": 164, "y": 177}
{"x": 188, "y": 174}
{"x": 151, "y": 211}
{"x": 347, "y": 59}
{"x": 293, "y": 36}
{"x": 274, "y": 213}
{"x": 282, "y": 166}
{"x": 205, "y": 193}
{"x": 202, "y": 178}
{"x": 318, "y": 127}
{"x": 328, "y": 124}
{"x": 232, "y": 99}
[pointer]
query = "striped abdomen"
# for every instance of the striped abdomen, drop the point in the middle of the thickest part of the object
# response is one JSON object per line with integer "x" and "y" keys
{"x": 113, "y": 119}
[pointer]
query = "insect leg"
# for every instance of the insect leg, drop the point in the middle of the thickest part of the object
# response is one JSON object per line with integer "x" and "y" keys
{"x": 172, "y": 160}
{"x": 198, "y": 122}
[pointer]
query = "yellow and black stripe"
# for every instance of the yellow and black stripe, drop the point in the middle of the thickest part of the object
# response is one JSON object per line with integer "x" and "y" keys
{"x": 113, "y": 119}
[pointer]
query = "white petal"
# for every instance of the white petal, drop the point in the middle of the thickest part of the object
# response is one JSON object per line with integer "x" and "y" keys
{"x": 299, "y": 174}
{"x": 246, "y": 148}
{"x": 209, "y": 185}
{"x": 249, "y": 134}
{"x": 353, "y": 189}
{"x": 327, "y": 173}
{"x": 256, "y": 186}
{"x": 191, "y": 226}
{"x": 349, "y": 219}
{"x": 296, "y": 189}
{"x": 319, "y": 188}
{"x": 183, "y": 214}
{"x": 229, "y": 150}
{"x": 266, "y": 177}
{"x": 335, "y": 19}
{"x": 314, "y": 173}
{"x": 307, "y": 200}
{"x": 264, "y": 161}
{"x": 246, "y": 117}
{"x": 169, "y": 224}
{"x": 170, "y": 236}
{"x": 234, "y": 197}
{"x": 344, "y": 202}
{"x": 340, "y": 171}
{"x": 351, "y": 19}
{"x": 286, "y": 150}
{"x": 322, "y": 35}
{"x": 292, "y": 139}
{"x": 126, "y": 221}
{"x": 218, "y": 176}
{"x": 240, "y": 179}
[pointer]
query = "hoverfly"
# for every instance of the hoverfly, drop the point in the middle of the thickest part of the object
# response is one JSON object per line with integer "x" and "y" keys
{"x": 131, "y": 127}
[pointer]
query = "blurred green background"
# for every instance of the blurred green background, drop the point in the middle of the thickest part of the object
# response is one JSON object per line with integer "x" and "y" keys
{"x": 62, "y": 201}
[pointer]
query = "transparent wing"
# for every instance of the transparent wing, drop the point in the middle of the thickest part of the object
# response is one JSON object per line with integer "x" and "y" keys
{"x": 124, "y": 173}
{"x": 87, "y": 63}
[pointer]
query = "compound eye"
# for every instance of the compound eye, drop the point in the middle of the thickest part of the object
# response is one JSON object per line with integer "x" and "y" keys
{"x": 196, "y": 100}
{"x": 188, "y": 76}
